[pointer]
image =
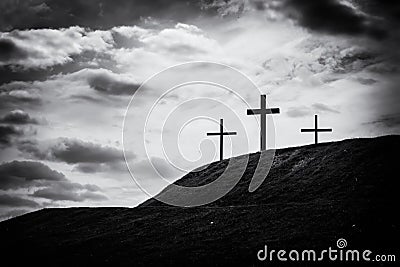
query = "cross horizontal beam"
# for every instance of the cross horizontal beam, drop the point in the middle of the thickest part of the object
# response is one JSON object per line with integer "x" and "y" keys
{"x": 263, "y": 111}
{"x": 224, "y": 133}
{"x": 315, "y": 130}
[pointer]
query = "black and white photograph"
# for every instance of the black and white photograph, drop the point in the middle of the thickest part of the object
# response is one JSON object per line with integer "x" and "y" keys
{"x": 199, "y": 133}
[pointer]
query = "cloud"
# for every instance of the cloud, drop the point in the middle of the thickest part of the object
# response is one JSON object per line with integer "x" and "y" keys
{"x": 67, "y": 191}
{"x": 233, "y": 7}
{"x": 331, "y": 16}
{"x": 43, "y": 48}
{"x": 96, "y": 14}
{"x": 45, "y": 182}
{"x": 72, "y": 151}
{"x": 10, "y": 51}
{"x": 386, "y": 121}
{"x": 107, "y": 82}
{"x": 7, "y": 134}
{"x": 153, "y": 50}
{"x": 34, "y": 185}
{"x": 86, "y": 157}
{"x": 25, "y": 174}
{"x": 371, "y": 18}
{"x": 86, "y": 167}
{"x": 15, "y": 201}
{"x": 182, "y": 39}
{"x": 295, "y": 112}
{"x": 359, "y": 17}
{"x": 319, "y": 107}
{"x": 17, "y": 95}
{"x": 18, "y": 117}
{"x": 346, "y": 61}
{"x": 366, "y": 81}
{"x": 48, "y": 52}
{"x": 82, "y": 84}
{"x": 77, "y": 151}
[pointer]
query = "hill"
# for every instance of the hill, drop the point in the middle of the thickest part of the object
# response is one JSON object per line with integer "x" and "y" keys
{"x": 312, "y": 196}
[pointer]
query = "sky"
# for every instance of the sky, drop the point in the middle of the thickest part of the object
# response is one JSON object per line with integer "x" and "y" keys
{"x": 69, "y": 69}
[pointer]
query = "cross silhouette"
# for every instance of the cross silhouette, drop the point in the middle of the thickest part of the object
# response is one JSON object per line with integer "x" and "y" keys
{"x": 263, "y": 111}
{"x": 315, "y": 130}
{"x": 221, "y": 134}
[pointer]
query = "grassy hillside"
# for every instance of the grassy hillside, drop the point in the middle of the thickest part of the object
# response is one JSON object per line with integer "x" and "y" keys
{"x": 312, "y": 196}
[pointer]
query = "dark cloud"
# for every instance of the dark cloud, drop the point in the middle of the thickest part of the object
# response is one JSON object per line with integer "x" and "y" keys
{"x": 17, "y": 117}
{"x": 25, "y": 174}
{"x": 76, "y": 151}
{"x": 19, "y": 95}
{"x": 366, "y": 81}
{"x": 100, "y": 167}
{"x": 386, "y": 121}
{"x": 350, "y": 62}
{"x": 15, "y": 201}
{"x": 7, "y": 133}
{"x": 377, "y": 19}
{"x": 9, "y": 73}
{"x": 319, "y": 107}
{"x": 87, "y": 168}
{"x": 88, "y": 98}
{"x": 68, "y": 192}
{"x": 296, "y": 112}
{"x": 109, "y": 83}
{"x": 9, "y": 50}
{"x": 16, "y": 14}
{"x": 332, "y": 16}
{"x": 45, "y": 182}
{"x": 86, "y": 157}
{"x": 31, "y": 149}
{"x": 388, "y": 9}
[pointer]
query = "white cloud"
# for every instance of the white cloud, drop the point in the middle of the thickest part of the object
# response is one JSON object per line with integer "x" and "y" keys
{"x": 132, "y": 31}
{"x": 43, "y": 48}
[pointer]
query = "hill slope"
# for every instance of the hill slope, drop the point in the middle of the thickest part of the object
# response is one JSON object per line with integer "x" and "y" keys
{"x": 312, "y": 196}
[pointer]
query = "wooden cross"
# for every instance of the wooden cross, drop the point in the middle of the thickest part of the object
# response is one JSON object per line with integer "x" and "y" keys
{"x": 263, "y": 111}
{"x": 221, "y": 134}
{"x": 315, "y": 130}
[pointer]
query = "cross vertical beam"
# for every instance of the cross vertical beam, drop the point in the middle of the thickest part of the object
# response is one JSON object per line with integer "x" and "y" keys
{"x": 263, "y": 112}
{"x": 315, "y": 130}
{"x": 221, "y": 134}
{"x": 221, "y": 139}
{"x": 263, "y": 117}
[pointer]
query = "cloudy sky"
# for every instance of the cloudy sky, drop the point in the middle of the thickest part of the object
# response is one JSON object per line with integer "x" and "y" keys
{"x": 68, "y": 70}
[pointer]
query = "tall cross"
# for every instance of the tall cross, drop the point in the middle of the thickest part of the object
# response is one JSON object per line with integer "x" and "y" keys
{"x": 221, "y": 134}
{"x": 263, "y": 111}
{"x": 315, "y": 130}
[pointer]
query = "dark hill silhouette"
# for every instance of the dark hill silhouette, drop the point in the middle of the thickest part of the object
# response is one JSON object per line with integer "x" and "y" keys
{"x": 312, "y": 196}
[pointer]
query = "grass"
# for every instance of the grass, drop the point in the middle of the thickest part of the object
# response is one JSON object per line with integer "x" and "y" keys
{"x": 312, "y": 196}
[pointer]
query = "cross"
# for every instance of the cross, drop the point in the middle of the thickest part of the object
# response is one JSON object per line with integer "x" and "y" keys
{"x": 263, "y": 111}
{"x": 221, "y": 134}
{"x": 315, "y": 130}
